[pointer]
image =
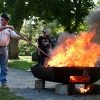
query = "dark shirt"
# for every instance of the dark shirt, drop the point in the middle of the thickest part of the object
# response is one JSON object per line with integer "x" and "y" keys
{"x": 44, "y": 42}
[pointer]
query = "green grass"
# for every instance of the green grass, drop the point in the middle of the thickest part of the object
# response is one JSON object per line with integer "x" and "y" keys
{"x": 23, "y": 63}
{"x": 98, "y": 82}
{"x": 7, "y": 95}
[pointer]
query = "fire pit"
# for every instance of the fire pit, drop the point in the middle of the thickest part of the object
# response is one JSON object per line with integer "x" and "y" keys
{"x": 80, "y": 54}
{"x": 67, "y": 75}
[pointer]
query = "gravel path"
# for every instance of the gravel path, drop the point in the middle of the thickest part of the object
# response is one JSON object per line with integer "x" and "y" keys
{"x": 22, "y": 83}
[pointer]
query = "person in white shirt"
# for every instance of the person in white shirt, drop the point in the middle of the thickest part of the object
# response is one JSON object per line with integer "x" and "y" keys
{"x": 6, "y": 31}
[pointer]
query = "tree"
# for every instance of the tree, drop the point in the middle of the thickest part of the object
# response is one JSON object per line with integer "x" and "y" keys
{"x": 17, "y": 15}
{"x": 68, "y": 13}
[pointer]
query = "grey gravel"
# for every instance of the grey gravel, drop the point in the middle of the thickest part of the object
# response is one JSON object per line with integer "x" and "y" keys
{"x": 22, "y": 84}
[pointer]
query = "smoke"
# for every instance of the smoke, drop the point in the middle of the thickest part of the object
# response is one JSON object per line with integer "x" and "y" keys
{"x": 65, "y": 35}
{"x": 90, "y": 21}
{"x": 92, "y": 18}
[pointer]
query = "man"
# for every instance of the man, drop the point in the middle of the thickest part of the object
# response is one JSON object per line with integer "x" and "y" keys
{"x": 54, "y": 42}
{"x": 6, "y": 31}
{"x": 44, "y": 43}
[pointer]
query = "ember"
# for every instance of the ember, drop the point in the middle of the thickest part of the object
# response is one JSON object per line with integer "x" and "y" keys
{"x": 79, "y": 79}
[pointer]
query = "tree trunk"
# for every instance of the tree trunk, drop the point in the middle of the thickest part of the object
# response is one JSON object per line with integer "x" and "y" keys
{"x": 13, "y": 49}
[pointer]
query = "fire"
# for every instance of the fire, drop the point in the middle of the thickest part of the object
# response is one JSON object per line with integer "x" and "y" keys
{"x": 84, "y": 90}
{"x": 79, "y": 79}
{"x": 77, "y": 51}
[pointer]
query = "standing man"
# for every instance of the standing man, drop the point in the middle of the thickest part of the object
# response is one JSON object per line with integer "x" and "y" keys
{"x": 44, "y": 43}
{"x": 6, "y": 31}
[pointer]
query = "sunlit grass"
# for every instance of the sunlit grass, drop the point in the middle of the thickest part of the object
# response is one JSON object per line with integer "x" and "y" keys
{"x": 23, "y": 63}
{"x": 26, "y": 58}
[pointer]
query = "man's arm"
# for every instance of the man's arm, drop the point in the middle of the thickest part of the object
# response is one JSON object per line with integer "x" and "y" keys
{"x": 5, "y": 27}
{"x": 13, "y": 34}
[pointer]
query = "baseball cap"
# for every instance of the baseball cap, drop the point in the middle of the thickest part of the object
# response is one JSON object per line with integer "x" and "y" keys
{"x": 44, "y": 31}
{"x": 5, "y": 16}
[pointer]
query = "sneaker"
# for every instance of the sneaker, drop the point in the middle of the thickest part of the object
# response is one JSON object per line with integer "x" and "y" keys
{"x": 5, "y": 86}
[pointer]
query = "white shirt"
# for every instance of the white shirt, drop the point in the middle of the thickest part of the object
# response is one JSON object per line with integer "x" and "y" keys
{"x": 5, "y": 36}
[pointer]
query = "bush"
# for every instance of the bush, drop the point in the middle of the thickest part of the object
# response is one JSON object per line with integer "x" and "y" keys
{"x": 21, "y": 54}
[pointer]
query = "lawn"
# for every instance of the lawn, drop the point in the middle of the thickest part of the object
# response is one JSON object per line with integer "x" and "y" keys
{"x": 23, "y": 63}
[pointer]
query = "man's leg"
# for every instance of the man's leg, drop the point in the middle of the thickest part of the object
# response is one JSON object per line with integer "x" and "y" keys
{"x": 41, "y": 61}
{"x": 3, "y": 66}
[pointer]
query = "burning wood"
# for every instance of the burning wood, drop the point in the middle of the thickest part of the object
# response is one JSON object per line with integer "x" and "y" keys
{"x": 79, "y": 79}
{"x": 82, "y": 89}
{"x": 84, "y": 78}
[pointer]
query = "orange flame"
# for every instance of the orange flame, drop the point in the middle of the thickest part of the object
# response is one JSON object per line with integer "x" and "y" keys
{"x": 77, "y": 51}
{"x": 84, "y": 90}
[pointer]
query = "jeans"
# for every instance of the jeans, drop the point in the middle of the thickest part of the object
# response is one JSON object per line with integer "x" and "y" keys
{"x": 42, "y": 57}
{"x": 3, "y": 65}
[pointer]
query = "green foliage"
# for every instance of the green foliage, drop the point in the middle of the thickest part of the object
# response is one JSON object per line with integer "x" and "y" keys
{"x": 64, "y": 11}
{"x": 25, "y": 46}
{"x": 21, "y": 53}
{"x": 27, "y": 29}
{"x": 68, "y": 13}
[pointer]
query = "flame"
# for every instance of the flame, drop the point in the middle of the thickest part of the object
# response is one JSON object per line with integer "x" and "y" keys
{"x": 77, "y": 51}
{"x": 84, "y": 90}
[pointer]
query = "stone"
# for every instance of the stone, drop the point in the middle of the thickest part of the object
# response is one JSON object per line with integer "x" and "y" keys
{"x": 65, "y": 89}
{"x": 39, "y": 84}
